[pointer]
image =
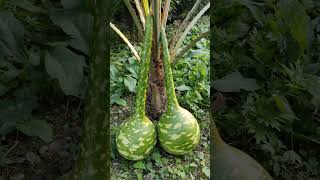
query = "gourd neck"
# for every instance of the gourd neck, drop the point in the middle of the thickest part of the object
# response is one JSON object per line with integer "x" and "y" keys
{"x": 217, "y": 140}
{"x": 144, "y": 68}
{"x": 172, "y": 101}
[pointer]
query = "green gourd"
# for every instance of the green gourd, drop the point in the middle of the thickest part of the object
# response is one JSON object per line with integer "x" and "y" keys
{"x": 137, "y": 135}
{"x": 178, "y": 129}
{"x": 230, "y": 163}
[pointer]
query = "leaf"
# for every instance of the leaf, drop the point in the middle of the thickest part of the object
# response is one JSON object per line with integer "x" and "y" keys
{"x": 37, "y": 128}
{"x": 206, "y": 171}
{"x": 234, "y": 82}
{"x": 27, "y": 5}
{"x": 73, "y": 4}
{"x": 139, "y": 165}
{"x": 3, "y": 89}
{"x": 34, "y": 58}
{"x": 11, "y": 37}
{"x": 67, "y": 67}
{"x": 12, "y": 112}
{"x": 183, "y": 87}
{"x": 130, "y": 83}
{"x": 296, "y": 19}
{"x": 121, "y": 102}
{"x": 77, "y": 25}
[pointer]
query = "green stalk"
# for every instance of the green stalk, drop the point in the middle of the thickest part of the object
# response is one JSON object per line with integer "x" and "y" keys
{"x": 125, "y": 39}
{"x": 165, "y": 13}
{"x": 188, "y": 47}
{"x": 214, "y": 134}
{"x": 187, "y": 30}
{"x": 144, "y": 68}
{"x": 93, "y": 160}
{"x": 134, "y": 17}
{"x": 172, "y": 101}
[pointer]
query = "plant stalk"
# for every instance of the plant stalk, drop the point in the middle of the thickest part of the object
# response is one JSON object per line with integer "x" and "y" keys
{"x": 172, "y": 101}
{"x": 144, "y": 68}
{"x": 188, "y": 47}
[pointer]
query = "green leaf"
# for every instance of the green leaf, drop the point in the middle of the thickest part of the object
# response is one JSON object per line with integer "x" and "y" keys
{"x": 296, "y": 20}
{"x": 13, "y": 111}
{"x": 121, "y": 102}
{"x": 67, "y": 67}
{"x": 3, "y": 89}
{"x": 73, "y": 4}
{"x": 130, "y": 83}
{"x": 183, "y": 87}
{"x": 139, "y": 165}
{"x": 37, "y": 128}
{"x": 234, "y": 82}
{"x": 11, "y": 37}
{"x": 34, "y": 58}
{"x": 27, "y": 5}
{"x": 77, "y": 25}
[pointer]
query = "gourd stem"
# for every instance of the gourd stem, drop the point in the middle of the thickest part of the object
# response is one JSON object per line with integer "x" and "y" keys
{"x": 217, "y": 140}
{"x": 144, "y": 68}
{"x": 172, "y": 101}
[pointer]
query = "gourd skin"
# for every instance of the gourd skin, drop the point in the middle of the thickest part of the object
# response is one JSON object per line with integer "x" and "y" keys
{"x": 230, "y": 163}
{"x": 178, "y": 129}
{"x": 136, "y": 138}
{"x": 137, "y": 135}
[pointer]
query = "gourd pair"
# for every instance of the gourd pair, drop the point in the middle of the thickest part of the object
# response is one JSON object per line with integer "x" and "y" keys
{"x": 178, "y": 131}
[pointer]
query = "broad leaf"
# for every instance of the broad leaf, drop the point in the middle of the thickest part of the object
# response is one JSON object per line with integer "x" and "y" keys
{"x": 3, "y": 89}
{"x": 77, "y": 25}
{"x": 12, "y": 112}
{"x": 36, "y": 128}
{"x": 130, "y": 83}
{"x": 183, "y": 87}
{"x": 67, "y": 67}
{"x": 11, "y": 37}
{"x": 296, "y": 20}
{"x": 27, "y": 5}
{"x": 234, "y": 82}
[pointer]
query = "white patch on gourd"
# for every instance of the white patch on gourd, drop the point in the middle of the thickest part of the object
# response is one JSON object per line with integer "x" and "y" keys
{"x": 176, "y": 126}
{"x": 175, "y": 136}
{"x": 124, "y": 140}
{"x": 163, "y": 130}
{"x": 168, "y": 125}
{"x": 140, "y": 139}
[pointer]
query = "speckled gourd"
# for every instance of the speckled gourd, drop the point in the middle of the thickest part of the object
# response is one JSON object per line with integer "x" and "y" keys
{"x": 178, "y": 129}
{"x": 137, "y": 135}
{"x": 230, "y": 163}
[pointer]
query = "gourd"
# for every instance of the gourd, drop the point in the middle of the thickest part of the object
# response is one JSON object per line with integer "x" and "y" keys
{"x": 229, "y": 163}
{"x": 178, "y": 129}
{"x": 137, "y": 135}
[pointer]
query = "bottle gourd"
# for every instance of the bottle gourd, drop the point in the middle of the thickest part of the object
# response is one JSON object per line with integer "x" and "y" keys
{"x": 178, "y": 129}
{"x": 230, "y": 163}
{"x": 137, "y": 135}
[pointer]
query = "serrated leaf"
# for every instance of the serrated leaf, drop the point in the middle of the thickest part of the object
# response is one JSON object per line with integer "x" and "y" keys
{"x": 67, "y": 67}
{"x": 183, "y": 87}
{"x": 234, "y": 82}
{"x": 11, "y": 37}
{"x": 77, "y": 25}
{"x": 37, "y": 128}
{"x": 130, "y": 83}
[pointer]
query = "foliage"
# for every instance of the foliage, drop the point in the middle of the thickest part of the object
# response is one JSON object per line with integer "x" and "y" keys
{"x": 42, "y": 53}
{"x": 192, "y": 92}
{"x": 276, "y": 44}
